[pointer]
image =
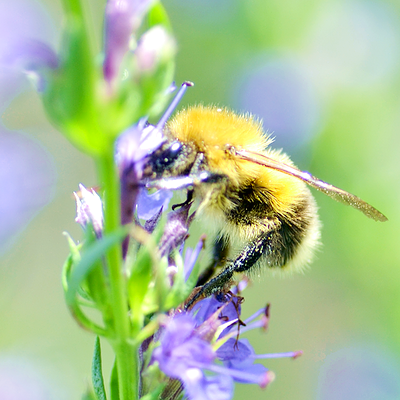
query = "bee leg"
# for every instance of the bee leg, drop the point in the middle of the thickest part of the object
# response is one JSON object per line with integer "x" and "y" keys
{"x": 220, "y": 252}
{"x": 246, "y": 259}
{"x": 188, "y": 200}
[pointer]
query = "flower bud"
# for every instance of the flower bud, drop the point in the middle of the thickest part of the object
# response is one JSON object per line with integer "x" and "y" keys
{"x": 156, "y": 46}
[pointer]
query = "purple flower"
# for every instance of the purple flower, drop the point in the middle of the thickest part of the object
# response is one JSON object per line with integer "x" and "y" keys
{"x": 122, "y": 19}
{"x": 181, "y": 348}
{"x": 183, "y": 355}
{"x": 148, "y": 205}
{"x": 176, "y": 229}
{"x": 201, "y": 387}
{"x": 131, "y": 150}
{"x": 133, "y": 146}
{"x": 89, "y": 210}
{"x": 195, "y": 344}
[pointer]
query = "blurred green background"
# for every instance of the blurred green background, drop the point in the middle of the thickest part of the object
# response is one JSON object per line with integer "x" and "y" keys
{"x": 324, "y": 76}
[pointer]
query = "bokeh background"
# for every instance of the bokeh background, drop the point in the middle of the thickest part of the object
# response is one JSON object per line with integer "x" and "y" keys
{"x": 325, "y": 78}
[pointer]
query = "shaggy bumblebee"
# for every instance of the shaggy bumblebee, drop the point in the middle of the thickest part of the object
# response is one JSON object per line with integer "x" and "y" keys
{"x": 256, "y": 198}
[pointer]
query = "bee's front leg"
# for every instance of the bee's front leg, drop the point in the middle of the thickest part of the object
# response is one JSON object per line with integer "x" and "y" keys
{"x": 264, "y": 245}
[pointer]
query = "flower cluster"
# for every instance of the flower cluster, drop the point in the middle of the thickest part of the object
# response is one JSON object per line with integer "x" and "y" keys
{"x": 205, "y": 341}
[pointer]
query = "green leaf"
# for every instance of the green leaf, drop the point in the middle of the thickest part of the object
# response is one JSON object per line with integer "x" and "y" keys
{"x": 88, "y": 395}
{"x": 66, "y": 269}
{"x": 73, "y": 248}
{"x": 139, "y": 281}
{"x": 156, "y": 293}
{"x": 180, "y": 290}
{"x": 97, "y": 375}
{"x": 158, "y": 16}
{"x": 89, "y": 260}
{"x": 114, "y": 390}
{"x": 70, "y": 98}
{"x": 73, "y": 258}
{"x": 155, "y": 394}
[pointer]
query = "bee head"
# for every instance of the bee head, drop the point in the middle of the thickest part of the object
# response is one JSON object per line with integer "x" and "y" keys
{"x": 173, "y": 158}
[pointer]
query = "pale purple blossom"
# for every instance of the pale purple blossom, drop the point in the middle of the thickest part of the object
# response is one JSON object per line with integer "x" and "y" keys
{"x": 89, "y": 210}
{"x": 27, "y": 176}
{"x": 153, "y": 46}
{"x": 176, "y": 229}
{"x": 27, "y": 36}
{"x": 32, "y": 57}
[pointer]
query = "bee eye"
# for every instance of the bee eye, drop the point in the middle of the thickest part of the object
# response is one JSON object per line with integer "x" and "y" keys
{"x": 167, "y": 157}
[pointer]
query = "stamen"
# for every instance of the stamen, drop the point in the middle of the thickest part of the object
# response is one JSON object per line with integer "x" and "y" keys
{"x": 254, "y": 325}
{"x": 289, "y": 354}
{"x": 262, "y": 380}
{"x": 173, "y": 104}
{"x": 254, "y": 316}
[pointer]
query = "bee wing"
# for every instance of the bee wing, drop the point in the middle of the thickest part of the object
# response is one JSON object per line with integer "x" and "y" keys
{"x": 330, "y": 190}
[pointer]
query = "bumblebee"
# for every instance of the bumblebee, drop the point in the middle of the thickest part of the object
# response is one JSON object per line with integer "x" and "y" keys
{"x": 256, "y": 198}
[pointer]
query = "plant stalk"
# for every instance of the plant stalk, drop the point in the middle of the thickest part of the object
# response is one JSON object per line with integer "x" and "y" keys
{"x": 124, "y": 346}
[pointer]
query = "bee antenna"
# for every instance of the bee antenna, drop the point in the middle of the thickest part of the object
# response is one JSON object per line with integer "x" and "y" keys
{"x": 173, "y": 104}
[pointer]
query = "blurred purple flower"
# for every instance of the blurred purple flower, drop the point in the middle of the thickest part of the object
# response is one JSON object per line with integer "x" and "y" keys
{"x": 202, "y": 387}
{"x": 33, "y": 58}
{"x": 25, "y": 379}
{"x": 27, "y": 177}
{"x": 122, "y": 19}
{"x": 365, "y": 51}
{"x": 279, "y": 91}
{"x": 25, "y": 29}
{"x": 361, "y": 371}
{"x": 89, "y": 210}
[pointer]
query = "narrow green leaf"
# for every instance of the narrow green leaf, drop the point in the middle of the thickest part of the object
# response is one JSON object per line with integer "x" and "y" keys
{"x": 66, "y": 269}
{"x": 114, "y": 391}
{"x": 73, "y": 258}
{"x": 88, "y": 395}
{"x": 73, "y": 248}
{"x": 179, "y": 290}
{"x": 158, "y": 15}
{"x": 139, "y": 282}
{"x": 155, "y": 394}
{"x": 97, "y": 374}
{"x": 89, "y": 260}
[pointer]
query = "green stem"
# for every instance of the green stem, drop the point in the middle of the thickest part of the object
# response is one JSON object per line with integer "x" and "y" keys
{"x": 72, "y": 7}
{"x": 124, "y": 348}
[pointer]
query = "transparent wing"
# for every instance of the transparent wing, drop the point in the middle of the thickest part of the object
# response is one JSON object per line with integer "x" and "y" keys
{"x": 330, "y": 190}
